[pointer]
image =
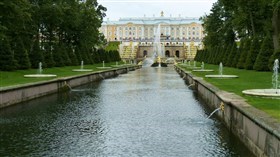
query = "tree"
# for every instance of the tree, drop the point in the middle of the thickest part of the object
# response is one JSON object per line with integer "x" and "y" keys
{"x": 276, "y": 55}
{"x": 58, "y": 56}
{"x": 266, "y": 51}
{"x": 73, "y": 57}
{"x": 36, "y": 54}
{"x": 21, "y": 56}
{"x": 238, "y": 53}
{"x": 48, "y": 56}
{"x": 253, "y": 53}
{"x": 244, "y": 52}
{"x": 226, "y": 53}
{"x": 276, "y": 23}
{"x": 231, "y": 55}
{"x": 7, "y": 60}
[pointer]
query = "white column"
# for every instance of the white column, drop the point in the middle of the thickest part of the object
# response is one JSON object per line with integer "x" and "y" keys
{"x": 181, "y": 32}
{"x": 118, "y": 29}
{"x": 187, "y": 32}
{"x": 175, "y": 31}
{"x": 169, "y": 30}
{"x": 142, "y": 32}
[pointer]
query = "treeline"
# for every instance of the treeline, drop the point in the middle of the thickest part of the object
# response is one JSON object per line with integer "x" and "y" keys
{"x": 242, "y": 34}
{"x": 54, "y": 32}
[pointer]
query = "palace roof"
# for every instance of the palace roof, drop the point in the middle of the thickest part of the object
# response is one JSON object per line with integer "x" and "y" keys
{"x": 153, "y": 21}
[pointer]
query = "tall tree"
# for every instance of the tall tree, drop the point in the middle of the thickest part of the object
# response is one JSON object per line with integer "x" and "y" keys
{"x": 6, "y": 56}
{"x": 263, "y": 57}
{"x": 253, "y": 53}
{"x": 276, "y": 23}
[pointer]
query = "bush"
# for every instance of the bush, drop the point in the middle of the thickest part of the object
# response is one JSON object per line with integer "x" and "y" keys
{"x": 265, "y": 53}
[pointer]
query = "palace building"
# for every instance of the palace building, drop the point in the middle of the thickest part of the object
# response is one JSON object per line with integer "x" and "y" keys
{"x": 180, "y": 36}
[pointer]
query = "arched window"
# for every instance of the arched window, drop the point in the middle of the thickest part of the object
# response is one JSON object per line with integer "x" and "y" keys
{"x": 178, "y": 53}
{"x": 145, "y": 53}
{"x": 167, "y": 53}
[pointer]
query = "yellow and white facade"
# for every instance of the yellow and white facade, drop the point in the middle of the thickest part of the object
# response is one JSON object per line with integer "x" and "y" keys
{"x": 142, "y": 30}
{"x": 175, "y": 28}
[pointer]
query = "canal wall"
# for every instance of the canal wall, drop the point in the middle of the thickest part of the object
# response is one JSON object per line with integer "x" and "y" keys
{"x": 258, "y": 131}
{"x": 17, "y": 94}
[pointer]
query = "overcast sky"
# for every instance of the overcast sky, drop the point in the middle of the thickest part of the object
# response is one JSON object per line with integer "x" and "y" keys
{"x": 138, "y": 8}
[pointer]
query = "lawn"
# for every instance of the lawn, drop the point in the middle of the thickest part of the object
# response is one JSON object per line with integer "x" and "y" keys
{"x": 248, "y": 79}
{"x": 16, "y": 77}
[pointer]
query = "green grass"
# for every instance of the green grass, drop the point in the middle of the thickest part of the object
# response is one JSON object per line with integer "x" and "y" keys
{"x": 16, "y": 77}
{"x": 248, "y": 79}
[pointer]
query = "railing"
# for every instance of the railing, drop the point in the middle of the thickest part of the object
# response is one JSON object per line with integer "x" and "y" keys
{"x": 162, "y": 40}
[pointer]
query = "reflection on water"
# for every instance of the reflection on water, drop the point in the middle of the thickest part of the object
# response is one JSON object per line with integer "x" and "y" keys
{"x": 148, "y": 112}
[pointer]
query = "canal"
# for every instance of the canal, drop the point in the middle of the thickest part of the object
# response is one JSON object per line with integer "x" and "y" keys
{"x": 148, "y": 112}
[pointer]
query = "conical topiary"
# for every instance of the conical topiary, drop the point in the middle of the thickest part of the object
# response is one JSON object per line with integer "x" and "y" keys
{"x": 21, "y": 56}
{"x": 243, "y": 55}
{"x": 8, "y": 63}
{"x": 264, "y": 55}
{"x": 276, "y": 55}
{"x": 36, "y": 55}
{"x": 232, "y": 55}
{"x": 253, "y": 53}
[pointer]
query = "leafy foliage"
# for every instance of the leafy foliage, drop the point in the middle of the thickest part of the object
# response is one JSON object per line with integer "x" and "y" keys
{"x": 54, "y": 32}
{"x": 231, "y": 21}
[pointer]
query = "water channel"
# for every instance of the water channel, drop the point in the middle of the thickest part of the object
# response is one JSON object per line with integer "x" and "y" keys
{"x": 148, "y": 112}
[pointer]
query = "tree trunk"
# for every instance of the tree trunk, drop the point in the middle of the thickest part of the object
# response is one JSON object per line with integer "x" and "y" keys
{"x": 276, "y": 28}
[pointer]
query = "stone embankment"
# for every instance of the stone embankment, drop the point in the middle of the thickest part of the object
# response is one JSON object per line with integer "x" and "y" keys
{"x": 16, "y": 94}
{"x": 257, "y": 130}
